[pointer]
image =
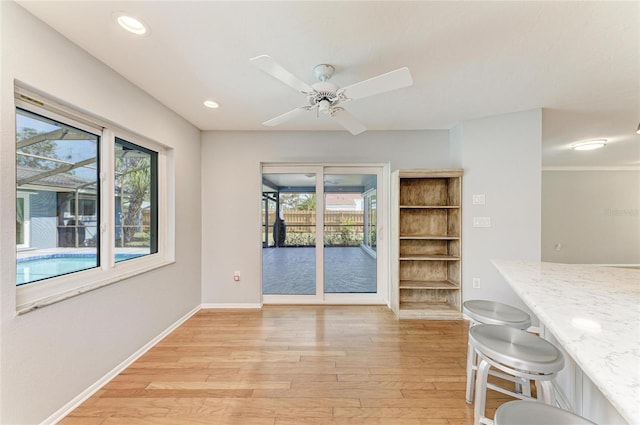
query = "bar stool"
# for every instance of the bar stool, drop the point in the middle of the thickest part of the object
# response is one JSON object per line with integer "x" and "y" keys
{"x": 517, "y": 353}
{"x": 491, "y": 313}
{"x": 522, "y": 412}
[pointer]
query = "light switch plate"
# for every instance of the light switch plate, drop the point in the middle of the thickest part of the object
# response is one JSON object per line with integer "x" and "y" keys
{"x": 478, "y": 199}
{"x": 481, "y": 221}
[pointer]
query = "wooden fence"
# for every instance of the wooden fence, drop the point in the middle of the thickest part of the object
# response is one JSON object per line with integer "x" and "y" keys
{"x": 334, "y": 221}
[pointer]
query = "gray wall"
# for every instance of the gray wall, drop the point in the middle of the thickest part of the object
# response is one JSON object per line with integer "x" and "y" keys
{"x": 501, "y": 159}
{"x": 500, "y": 155}
{"x": 49, "y": 356}
{"x": 591, "y": 216}
{"x": 231, "y": 182}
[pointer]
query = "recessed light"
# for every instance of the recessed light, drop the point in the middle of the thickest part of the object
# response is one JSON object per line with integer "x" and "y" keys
{"x": 132, "y": 24}
{"x": 211, "y": 104}
{"x": 638, "y": 130}
{"x": 589, "y": 145}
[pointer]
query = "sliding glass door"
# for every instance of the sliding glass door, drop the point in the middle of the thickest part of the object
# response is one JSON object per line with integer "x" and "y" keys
{"x": 319, "y": 234}
{"x": 349, "y": 267}
{"x": 289, "y": 233}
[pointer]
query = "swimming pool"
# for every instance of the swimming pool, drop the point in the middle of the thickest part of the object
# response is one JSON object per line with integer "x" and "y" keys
{"x": 38, "y": 267}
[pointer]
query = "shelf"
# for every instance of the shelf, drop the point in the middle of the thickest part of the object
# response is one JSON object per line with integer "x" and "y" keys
{"x": 427, "y": 310}
{"x": 428, "y": 284}
{"x": 429, "y": 238}
{"x": 428, "y": 306}
{"x": 428, "y": 257}
{"x": 430, "y": 206}
{"x": 427, "y": 223}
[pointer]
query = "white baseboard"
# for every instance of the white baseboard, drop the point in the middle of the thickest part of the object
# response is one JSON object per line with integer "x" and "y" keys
{"x": 231, "y": 305}
{"x": 84, "y": 395}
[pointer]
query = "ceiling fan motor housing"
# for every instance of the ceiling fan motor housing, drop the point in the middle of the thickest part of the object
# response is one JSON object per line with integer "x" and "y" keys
{"x": 324, "y": 93}
{"x": 324, "y": 90}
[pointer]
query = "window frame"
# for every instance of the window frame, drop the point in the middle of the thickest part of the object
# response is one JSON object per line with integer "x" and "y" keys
{"x": 153, "y": 156}
{"x": 26, "y": 223}
{"x": 48, "y": 291}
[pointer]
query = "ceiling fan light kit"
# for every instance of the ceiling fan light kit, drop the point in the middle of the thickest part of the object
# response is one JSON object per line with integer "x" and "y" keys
{"x": 324, "y": 106}
{"x": 325, "y": 96}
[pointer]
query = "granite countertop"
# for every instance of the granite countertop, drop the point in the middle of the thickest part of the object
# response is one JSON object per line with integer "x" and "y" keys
{"x": 594, "y": 312}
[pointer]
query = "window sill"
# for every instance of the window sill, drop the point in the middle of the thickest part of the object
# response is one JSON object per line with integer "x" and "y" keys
{"x": 36, "y": 295}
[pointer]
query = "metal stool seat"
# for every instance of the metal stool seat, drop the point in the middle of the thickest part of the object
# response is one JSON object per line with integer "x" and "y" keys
{"x": 491, "y": 313}
{"x": 535, "y": 413}
{"x": 516, "y": 353}
{"x": 495, "y": 313}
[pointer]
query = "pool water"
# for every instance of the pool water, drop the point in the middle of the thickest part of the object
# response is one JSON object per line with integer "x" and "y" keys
{"x": 41, "y": 267}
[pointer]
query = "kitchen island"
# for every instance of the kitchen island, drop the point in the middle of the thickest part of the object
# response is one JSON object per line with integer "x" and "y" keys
{"x": 593, "y": 314}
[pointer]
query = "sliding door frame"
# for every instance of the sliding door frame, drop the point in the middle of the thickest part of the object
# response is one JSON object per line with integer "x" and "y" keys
{"x": 382, "y": 262}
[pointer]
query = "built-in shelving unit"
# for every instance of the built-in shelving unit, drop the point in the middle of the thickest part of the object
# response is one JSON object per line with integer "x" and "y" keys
{"x": 426, "y": 244}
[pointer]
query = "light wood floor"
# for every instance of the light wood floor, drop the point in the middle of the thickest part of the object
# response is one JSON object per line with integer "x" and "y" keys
{"x": 317, "y": 365}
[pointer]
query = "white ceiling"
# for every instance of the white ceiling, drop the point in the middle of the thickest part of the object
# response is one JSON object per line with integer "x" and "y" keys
{"x": 580, "y": 61}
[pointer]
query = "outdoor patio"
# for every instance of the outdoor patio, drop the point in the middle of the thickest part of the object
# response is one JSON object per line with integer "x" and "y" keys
{"x": 291, "y": 270}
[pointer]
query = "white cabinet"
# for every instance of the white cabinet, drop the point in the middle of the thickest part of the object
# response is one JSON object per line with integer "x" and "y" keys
{"x": 574, "y": 391}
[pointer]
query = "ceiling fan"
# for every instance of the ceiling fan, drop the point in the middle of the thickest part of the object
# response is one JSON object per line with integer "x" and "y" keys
{"x": 325, "y": 97}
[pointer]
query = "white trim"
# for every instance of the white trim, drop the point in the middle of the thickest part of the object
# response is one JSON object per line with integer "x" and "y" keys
{"x": 289, "y": 165}
{"x": 53, "y": 290}
{"x": 594, "y": 168}
{"x": 319, "y": 248}
{"x": 381, "y": 170}
{"x": 328, "y": 299}
{"x": 167, "y": 203}
{"x": 369, "y": 251}
{"x": 107, "y": 199}
{"x": 49, "y": 109}
{"x": 312, "y": 299}
{"x": 85, "y": 120}
{"x": 231, "y": 305}
{"x": 92, "y": 389}
{"x": 355, "y": 299}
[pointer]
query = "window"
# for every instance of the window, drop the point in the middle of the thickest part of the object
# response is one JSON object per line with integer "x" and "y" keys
{"x": 370, "y": 219}
{"x": 136, "y": 200}
{"x": 89, "y": 195}
{"x": 57, "y": 164}
{"x": 22, "y": 223}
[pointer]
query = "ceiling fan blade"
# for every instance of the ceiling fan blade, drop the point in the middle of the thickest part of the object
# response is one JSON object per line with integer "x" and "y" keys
{"x": 348, "y": 121}
{"x": 286, "y": 116}
{"x": 386, "y": 82}
{"x": 273, "y": 68}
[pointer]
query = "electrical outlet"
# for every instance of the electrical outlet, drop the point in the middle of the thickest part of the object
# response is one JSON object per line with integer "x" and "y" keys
{"x": 476, "y": 282}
